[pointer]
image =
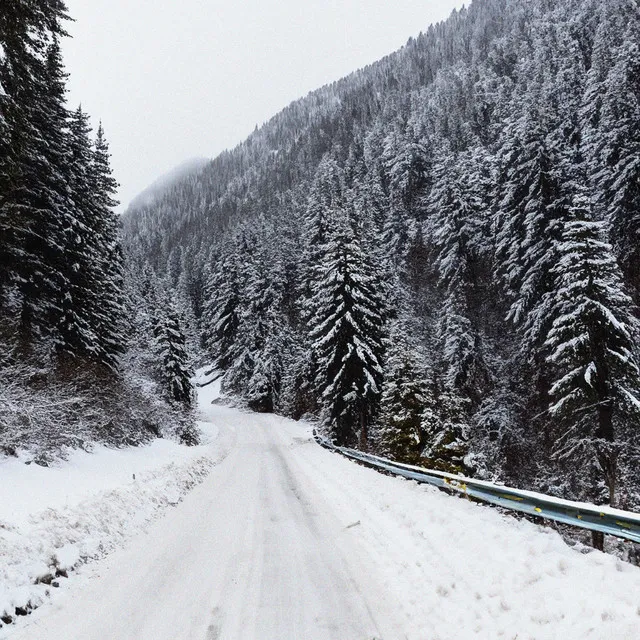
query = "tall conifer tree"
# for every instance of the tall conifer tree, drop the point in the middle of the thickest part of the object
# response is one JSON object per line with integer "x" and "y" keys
{"x": 596, "y": 393}
{"x": 347, "y": 331}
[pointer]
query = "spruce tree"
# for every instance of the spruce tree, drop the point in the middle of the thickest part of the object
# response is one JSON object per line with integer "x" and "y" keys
{"x": 596, "y": 393}
{"x": 222, "y": 306}
{"x": 255, "y": 370}
{"x": 108, "y": 312}
{"x": 456, "y": 231}
{"x": 325, "y": 197}
{"x": 347, "y": 332}
{"x": 34, "y": 200}
{"x": 76, "y": 331}
{"x": 174, "y": 363}
{"x": 447, "y": 433}
{"x": 532, "y": 206}
{"x": 616, "y": 167}
{"x": 406, "y": 402}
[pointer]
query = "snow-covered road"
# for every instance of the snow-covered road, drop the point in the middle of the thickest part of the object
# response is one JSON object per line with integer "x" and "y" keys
{"x": 285, "y": 540}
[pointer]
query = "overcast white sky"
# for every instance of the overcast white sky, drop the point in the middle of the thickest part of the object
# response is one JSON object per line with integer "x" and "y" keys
{"x": 177, "y": 79}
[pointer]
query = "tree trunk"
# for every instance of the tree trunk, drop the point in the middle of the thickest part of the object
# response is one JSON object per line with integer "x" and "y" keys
{"x": 364, "y": 432}
{"x": 607, "y": 455}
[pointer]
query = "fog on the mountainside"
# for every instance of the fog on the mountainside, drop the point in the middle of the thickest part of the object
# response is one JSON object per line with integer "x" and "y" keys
{"x": 176, "y": 80}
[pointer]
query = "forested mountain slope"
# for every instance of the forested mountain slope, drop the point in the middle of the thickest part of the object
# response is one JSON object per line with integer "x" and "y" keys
{"x": 438, "y": 255}
{"x": 166, "y": 181}
{"x": 73, "y": 368}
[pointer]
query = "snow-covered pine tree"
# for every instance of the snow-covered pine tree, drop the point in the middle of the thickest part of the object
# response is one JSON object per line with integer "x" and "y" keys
{"x": 374, "y": 181}
{"x": 456, "y": 232}
{"x": 407, "y": 164}
{"x": 222, "y": 306}
{"x": 347, "y": 331}
{"x": 530, "y": 212}
{"x": 173, "y": 364}
{"x": 108, "y": 313}
{"x": 325, "y": 196}
{"x": 76, "y": 332}
{"x": 596, "y": 393}
{"x": 256, "y": 369}
{"x": 143, "y": 298}
{"x": 62, "y": 218}
{"x": 264, "y": 386}
{"x": 447, "y": 433}
{"x": 34, "y": 204}
{"x": 184, "y": 303}
{"x": 616, "y": 168}
{"x": 406, "y": 403}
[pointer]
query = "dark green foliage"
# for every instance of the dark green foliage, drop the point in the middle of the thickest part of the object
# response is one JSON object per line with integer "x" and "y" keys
{"x": 447, "y": 434}
{"x": 347, "y": 330}
{"x": 406, "y": 404}
{"x": 173, "y": 360}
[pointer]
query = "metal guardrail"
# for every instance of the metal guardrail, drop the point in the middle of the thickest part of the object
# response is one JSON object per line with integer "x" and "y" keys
{"x": 615, "y": 522}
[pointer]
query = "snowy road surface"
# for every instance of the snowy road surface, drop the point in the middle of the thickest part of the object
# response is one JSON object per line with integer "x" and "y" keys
{"x": 285, "y": 540}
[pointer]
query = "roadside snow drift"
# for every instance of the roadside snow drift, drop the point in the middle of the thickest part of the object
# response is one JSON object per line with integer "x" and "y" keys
{"x": 287, "y": 541}
{"x": 53, "y": 518}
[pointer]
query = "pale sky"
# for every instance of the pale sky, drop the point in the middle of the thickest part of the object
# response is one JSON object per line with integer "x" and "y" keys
{"x": 178, "y": 79}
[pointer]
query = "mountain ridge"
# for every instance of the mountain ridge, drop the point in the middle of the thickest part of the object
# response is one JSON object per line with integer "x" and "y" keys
{"x": 461, "y": 189}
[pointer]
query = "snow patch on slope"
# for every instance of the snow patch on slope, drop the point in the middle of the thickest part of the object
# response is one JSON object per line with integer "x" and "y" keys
{"x": 54, "y": 518}
{"x": 463, "y": 570}
{"x": 165, "y": 182}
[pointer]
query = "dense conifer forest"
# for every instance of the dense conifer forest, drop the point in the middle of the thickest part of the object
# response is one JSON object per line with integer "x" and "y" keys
{"x": 437, "y": 257}
{"x": 435, "y": 260}
{"x": 74, "y": 368}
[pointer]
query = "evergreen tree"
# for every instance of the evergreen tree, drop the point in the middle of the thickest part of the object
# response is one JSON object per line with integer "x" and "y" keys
{"x": 184, "y": 304}
{"x": 76, "y": 331}
{"x": 597, "y": 380}
{"x": 347, "y": 331}
{"x": 446, "y": 434}
{"x": 406, "y": 402}
{"x": 256, "y": 355}
{"x": 616, "y": 168}
{"x": 464, "y": 371}
{"x": 263, "y": 388}
{"x": 174, "y": 362}
{"x": 325, "y": 197}
{"x": 33, "y": 194}
{"x": 531, "y": 209}
{"x": 456, "y": 231}
{"x": 108, "y": 312}
{"x": 221, "y": 313}
{"x": 407, "y": 164}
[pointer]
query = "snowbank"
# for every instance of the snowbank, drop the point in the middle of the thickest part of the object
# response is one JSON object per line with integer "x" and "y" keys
{"x": 287, "y": 540}
{"x": 463, "y": 570}
{"x": 53, "y": 518}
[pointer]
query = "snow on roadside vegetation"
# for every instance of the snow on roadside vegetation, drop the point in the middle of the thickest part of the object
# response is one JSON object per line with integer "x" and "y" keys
{"x": 463, "y": 570}
{"x": 54, "y": 518}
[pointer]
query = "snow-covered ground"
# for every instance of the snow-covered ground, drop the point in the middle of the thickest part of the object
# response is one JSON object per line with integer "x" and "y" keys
{"x": 54, "y": 518}
{"x": 285, "y": 540}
